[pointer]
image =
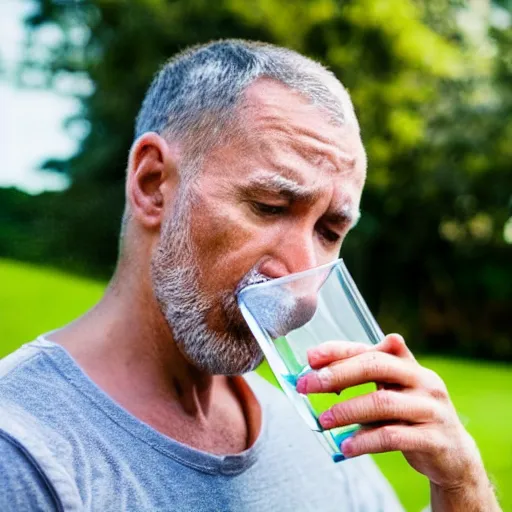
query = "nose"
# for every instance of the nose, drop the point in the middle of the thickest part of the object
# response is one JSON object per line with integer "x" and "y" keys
{"x": 289, "y": 306}
{"x": 292, "y": 253}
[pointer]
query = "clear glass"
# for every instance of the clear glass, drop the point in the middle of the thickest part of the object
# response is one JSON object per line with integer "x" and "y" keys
{"x": 291, "y": 314}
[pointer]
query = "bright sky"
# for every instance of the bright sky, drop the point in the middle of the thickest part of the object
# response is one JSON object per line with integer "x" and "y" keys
{"x": 31, "y": 120}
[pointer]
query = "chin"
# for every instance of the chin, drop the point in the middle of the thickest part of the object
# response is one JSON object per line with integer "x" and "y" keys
{"x": 232, "y": 352}
{"x": 216, "y": 365}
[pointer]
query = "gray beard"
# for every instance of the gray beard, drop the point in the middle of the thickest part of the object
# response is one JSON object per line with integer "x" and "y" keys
{"x": 174, "y": 273}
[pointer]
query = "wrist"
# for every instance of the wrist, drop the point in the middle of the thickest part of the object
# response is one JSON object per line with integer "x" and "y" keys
{"x": 475, "y": 493}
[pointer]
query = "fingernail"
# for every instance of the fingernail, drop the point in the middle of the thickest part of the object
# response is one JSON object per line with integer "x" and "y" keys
{"x": 301, "y": 386}
{"x": 327, "y": 420}
{"x": 314, "y": 382}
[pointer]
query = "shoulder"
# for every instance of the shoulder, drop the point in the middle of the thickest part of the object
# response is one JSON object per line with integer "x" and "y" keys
{"x": 23, "y": 484}
{"x": 34, "y": 474}
{"x": 17, "y": 359}
{"x": 31, "y": 380}
{"x": 31, "y": 470}
{"x": 25, "y": 367}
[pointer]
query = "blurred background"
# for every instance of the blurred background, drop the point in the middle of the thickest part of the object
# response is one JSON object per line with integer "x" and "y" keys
{"x": 432, "y": 85}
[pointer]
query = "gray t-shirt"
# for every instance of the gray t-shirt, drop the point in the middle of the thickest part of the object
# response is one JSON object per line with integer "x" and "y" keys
{"x": 65, "y": 445}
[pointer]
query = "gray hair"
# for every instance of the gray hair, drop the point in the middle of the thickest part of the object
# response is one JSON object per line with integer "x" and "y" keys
{"x": 194, "y": 97}
{"x": 196, "y": 93}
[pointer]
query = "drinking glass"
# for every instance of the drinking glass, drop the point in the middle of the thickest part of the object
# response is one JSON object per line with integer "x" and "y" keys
{"x": 291, "y": 314}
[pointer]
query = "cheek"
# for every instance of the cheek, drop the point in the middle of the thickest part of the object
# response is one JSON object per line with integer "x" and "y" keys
{"x": 227, "y": 243}
{"x": 217, "y": 231}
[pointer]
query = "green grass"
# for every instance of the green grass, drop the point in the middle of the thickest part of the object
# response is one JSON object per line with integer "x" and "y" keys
{"x": 482, "y": 394}
{"x": 34, "y": 300}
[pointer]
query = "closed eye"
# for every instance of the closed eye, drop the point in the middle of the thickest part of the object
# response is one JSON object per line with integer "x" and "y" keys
{"x": 328, "y": 235}
{"x": 268, "y": 209}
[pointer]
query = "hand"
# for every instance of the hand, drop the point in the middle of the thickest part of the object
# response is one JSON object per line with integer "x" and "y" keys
{"x": 411, "y": 410}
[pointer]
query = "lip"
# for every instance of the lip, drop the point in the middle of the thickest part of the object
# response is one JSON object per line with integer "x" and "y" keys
{"x": 249, "y": 282}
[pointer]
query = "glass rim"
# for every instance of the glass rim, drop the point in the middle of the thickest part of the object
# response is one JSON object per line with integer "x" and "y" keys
{"x": 290, "y": 277}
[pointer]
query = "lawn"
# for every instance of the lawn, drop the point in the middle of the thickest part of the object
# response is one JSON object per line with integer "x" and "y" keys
{"x": 34, "y": 300}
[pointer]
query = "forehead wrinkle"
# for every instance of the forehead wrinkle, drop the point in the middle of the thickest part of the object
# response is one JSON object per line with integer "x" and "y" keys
{"x": 318, "y": 153}
{"x": 270, "y": 106}
{"x": 315, "y": 148}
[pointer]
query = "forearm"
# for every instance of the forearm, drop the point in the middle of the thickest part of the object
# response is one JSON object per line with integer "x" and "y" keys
{"x": 476, "y": 496}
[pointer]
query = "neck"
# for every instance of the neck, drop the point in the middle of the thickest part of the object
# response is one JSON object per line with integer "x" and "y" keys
{"x": 125, "y": 345}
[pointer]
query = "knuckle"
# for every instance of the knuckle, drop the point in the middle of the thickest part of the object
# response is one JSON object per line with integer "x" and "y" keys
{"x": 391, "y": 438}
{"x": 382, "y": 400}
{"x": 340, "y": 412}
{"x": 435, "y": 386}
{"x": 370, "y": 365}
{"x": 324, "y": 379}
{"x": 439, "y": 415}
{"x": 434, "y": 441}
{"x": 395, "y": 344}
{"x": 440, "y": 393}
{"x": 398, "y": 340}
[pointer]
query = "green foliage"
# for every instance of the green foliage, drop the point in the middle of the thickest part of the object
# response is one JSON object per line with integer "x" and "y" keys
{"x": 435, "y": 106}
{"x": 35, "y": 300}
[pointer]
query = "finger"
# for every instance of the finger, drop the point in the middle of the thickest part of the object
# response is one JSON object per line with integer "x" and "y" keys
{"x": 332, "y": 351}
{"x": 394, "y": 344}
{"x": 387, "y": 438}
{"x": 382, "y": 406}
{"x": 371, "y": 366}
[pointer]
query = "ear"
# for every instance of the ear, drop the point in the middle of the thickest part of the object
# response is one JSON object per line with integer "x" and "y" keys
{"x": 152, "y": 178}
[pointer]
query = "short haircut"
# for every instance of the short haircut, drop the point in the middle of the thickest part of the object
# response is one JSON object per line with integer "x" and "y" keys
{"x": 194, "y": 97}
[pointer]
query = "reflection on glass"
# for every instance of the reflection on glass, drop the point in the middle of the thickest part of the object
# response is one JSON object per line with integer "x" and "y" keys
{"x": 291, "y": 314}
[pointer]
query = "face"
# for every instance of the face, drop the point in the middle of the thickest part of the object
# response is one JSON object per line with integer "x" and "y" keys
{"x": 279, "y": 199}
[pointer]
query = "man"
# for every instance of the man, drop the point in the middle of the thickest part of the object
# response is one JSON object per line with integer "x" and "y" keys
{"x": 247, "y": 166}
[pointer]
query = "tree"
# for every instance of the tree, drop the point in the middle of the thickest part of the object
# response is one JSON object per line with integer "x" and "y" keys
{"x": 429, "y": 244}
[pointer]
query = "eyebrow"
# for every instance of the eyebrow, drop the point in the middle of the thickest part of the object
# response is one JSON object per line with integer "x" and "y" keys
{"x": 344, "y": 216}
{"x": 289, "y": 188}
